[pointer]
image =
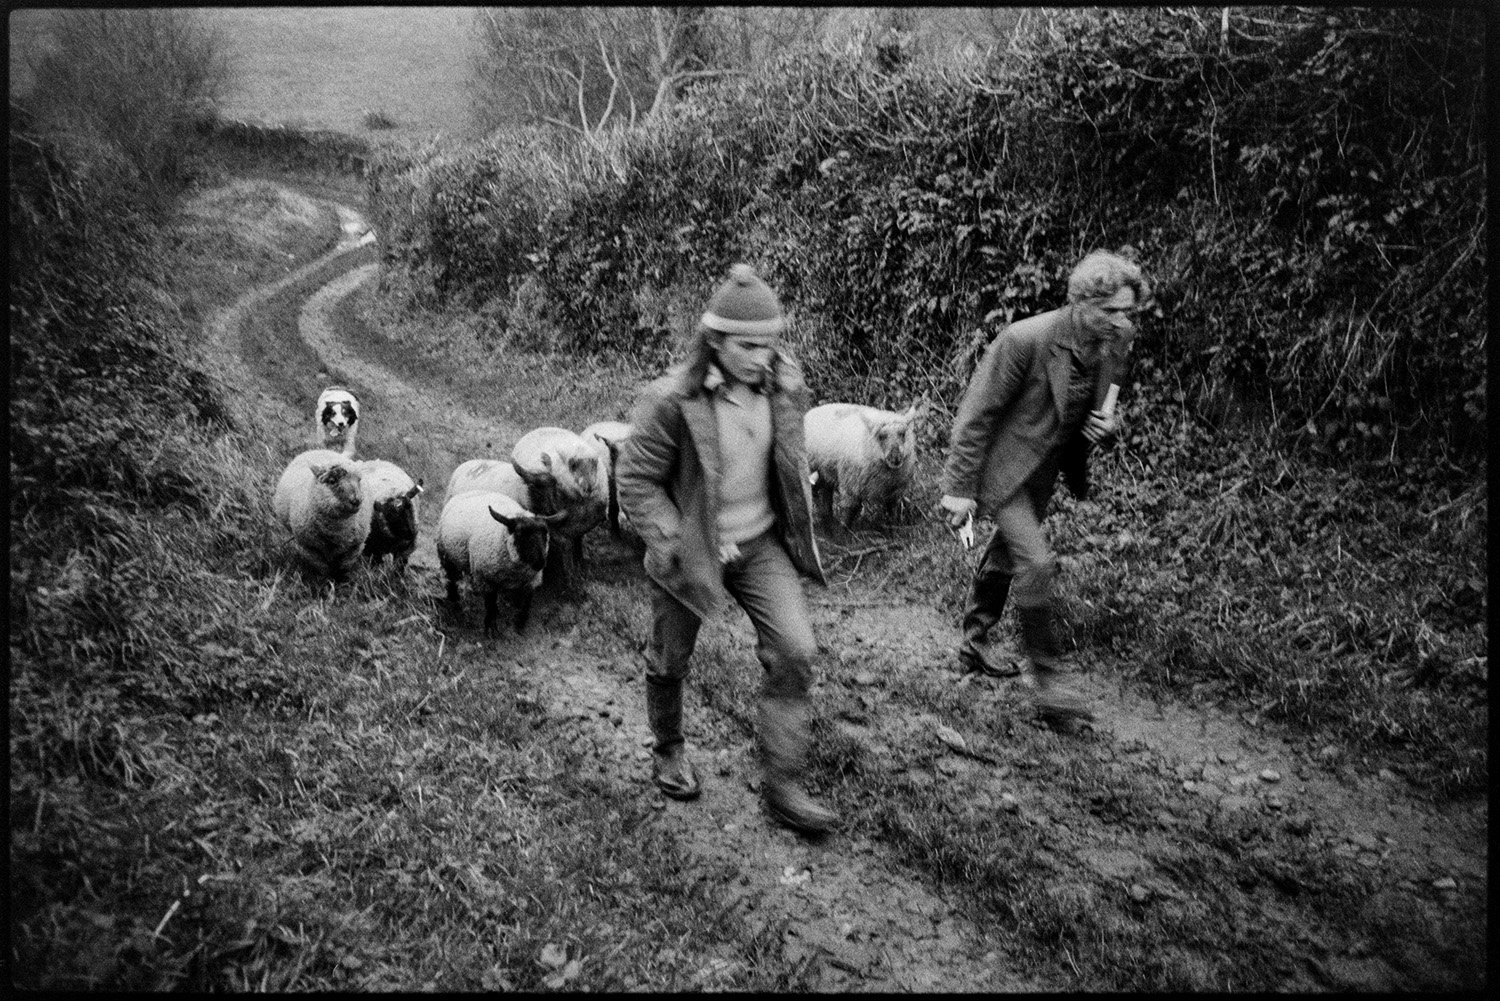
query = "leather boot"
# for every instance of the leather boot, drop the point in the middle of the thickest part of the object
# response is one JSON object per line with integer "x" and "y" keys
{"x": 670, "y": 768}
{"x": 986, "y": 603}
{"x": 1054, "y": 697}
{"x": 785, "y": 737}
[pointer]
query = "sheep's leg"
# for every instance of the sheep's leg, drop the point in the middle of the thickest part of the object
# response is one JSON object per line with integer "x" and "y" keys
{"x": 491, "y": 612}
{"x": 823, "y": 498}
{"x": 521, "y": 599}
{"x": 560, "y": 574}
{"x": 848, "y": 510}
{"x": 453, "y": 574}
{"x": 573, "y": 576}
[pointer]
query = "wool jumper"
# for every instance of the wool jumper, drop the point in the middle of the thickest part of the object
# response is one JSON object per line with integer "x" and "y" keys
{"x": 744, "y": 418}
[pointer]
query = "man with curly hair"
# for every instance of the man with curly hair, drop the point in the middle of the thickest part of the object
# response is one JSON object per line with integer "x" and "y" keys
{"x": 1042, "y": 394}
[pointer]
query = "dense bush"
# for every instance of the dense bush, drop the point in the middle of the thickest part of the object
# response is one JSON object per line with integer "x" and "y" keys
{"x": 464, "y": 217}
{"x": 125, "y": 90}
{"x": 284, "y": 147}
{"x": 1301, "y": 184}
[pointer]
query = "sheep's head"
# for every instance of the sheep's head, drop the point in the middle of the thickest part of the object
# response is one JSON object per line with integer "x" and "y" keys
{"x": 894, "y": 439}
{"x": 342, "y": 484}
{"x": 399, "y": 513}
{"x": 336, "y": 414}
{"x": 530, "y": 532}
{"x": 579, "y": 474}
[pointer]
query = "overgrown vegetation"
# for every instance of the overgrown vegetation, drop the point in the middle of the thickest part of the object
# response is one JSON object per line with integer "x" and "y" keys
{"x": 215, "y": 783}
{"x": 221, "y": 782}
{"x": 1303, "y": 186}
{"x": 124, "y": 92}
{"x": 929, "y": 210}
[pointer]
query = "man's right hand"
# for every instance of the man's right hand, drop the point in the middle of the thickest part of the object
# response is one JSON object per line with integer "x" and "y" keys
{"x": 957, "y": 510}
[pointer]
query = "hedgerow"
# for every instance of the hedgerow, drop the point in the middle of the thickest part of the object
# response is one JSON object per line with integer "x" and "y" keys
{"x": 1301, "y": 185}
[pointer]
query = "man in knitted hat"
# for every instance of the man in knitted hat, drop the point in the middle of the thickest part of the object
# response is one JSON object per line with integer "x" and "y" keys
{"x": 715, "y": 480}
{"x": 1039, "y": 398}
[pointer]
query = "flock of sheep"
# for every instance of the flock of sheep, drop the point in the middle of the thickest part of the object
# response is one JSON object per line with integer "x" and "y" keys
{"x": 504, "y": 523}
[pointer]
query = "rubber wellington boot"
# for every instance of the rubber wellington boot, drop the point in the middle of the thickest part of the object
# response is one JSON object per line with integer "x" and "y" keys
{"x": 785, "y": 737}
{"x": 986, "y": 603}
{"x": 670, "y": 768}
{"x": 1054, "y": 697}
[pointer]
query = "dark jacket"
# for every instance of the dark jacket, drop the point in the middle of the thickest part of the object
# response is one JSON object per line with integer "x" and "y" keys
{"x": 669, "y": 473}
{"x": 1010, "y": 418}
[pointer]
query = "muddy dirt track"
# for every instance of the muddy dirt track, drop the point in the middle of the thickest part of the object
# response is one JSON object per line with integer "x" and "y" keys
{"x": 865, "y": 920}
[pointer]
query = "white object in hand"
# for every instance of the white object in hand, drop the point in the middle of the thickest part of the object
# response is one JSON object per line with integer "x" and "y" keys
{"x": 1109, "y": 400}
{"x": 966, "y": 532}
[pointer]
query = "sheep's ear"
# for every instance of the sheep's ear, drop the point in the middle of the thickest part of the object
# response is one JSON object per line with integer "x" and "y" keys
{"x": 553, "y": 518}
{"x": 509, "y": 523}
{"x": 318, "y": 471}
{"x": 547, "y": 461}
{"x": 870, "y": 422}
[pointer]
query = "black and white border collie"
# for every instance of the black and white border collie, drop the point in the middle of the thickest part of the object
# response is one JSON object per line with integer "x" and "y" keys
{"x": 337, "y": 415}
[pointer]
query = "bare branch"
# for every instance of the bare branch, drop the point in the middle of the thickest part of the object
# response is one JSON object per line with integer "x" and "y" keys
{"x": 614, "y": 81}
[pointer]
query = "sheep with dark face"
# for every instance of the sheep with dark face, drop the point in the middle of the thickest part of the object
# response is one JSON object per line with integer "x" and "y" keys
{"x": 393, "y": 520}
{"x": 336, "y": 418}
{"x": 862, "y": 459}
{"x": 320, "y": 498}
{"x": 563, "y": 476}
{"x": 499, "y": 545}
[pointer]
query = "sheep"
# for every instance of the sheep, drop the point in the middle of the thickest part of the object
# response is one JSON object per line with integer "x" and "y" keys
{"x": 563, "y": 476}
{"x": 393, "y": 523}
{"x": 865, "y": 456}
{"x": 611, "y": 436}
{"x": 490, "y": 475}
{"x": 500, "y": 546}
{"x": 321, "y": 499}
{"x": 336, "y": 420}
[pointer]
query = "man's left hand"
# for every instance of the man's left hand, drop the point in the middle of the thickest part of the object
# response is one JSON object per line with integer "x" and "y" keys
{"x": 1100, "y": 426}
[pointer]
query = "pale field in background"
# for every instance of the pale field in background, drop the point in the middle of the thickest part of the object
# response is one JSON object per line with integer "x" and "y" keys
{"x": 323, "y": 67}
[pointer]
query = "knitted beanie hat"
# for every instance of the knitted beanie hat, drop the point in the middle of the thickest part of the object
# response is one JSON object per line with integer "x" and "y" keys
{"x": 744, "y": 305}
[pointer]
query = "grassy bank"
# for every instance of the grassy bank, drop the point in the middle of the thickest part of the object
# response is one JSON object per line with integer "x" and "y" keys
{"x": 220, "y": 783}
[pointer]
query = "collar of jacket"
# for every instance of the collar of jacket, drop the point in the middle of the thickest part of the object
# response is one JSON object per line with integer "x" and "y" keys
{"x": 714, "y": 380}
